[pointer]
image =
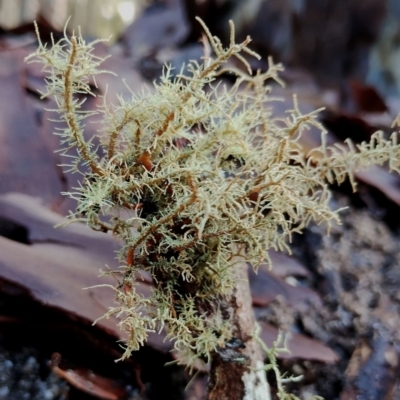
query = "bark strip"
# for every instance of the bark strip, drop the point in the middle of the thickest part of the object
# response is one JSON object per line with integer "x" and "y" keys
{"x": 240, "y": 380}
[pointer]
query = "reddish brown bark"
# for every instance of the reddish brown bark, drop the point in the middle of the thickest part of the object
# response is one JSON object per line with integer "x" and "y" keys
{"x": 240, "y": 380}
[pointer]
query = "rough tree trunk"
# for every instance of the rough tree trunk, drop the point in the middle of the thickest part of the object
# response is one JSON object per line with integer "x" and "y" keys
{"x": 237, "y": 380}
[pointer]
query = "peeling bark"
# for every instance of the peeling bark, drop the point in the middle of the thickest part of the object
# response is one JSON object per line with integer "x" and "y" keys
{"x": 240, "y": 380}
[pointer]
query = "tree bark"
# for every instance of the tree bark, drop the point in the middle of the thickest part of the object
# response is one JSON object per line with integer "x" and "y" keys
{"x": 240, "y": 380}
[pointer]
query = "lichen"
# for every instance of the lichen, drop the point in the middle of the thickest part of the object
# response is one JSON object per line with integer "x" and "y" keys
{"x": 255, "y": 386}
{"x": 189, "y": 171}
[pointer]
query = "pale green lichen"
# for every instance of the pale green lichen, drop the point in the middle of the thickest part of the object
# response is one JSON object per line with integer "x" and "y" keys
{"x": 278, "y": 347}
{"x": 187, "y": 172}
{"x": 256, "y": 388}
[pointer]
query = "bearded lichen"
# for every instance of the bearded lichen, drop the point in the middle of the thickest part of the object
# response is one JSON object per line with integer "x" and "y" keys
{"x": 191, "y": 176}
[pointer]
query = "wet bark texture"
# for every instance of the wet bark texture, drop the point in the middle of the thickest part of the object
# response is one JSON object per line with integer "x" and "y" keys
{"x": 237, "y": 380}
